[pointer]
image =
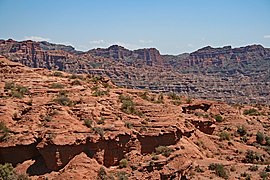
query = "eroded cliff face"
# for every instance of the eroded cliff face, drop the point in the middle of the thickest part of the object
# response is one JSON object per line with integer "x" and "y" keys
{"x": 234, "y": 75}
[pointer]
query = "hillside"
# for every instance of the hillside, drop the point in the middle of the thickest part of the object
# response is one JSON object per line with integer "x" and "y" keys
{"x": 233, "y": 75}
{"x": 57, "y": 125}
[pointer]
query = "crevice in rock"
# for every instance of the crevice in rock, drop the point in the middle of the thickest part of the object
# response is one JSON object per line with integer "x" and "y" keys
{"x": 188, "y": 109}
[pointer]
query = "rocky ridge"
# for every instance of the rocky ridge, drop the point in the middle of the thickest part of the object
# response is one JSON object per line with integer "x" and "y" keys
{"x": 234, "y": 75}
{"x": 58, "y": 126}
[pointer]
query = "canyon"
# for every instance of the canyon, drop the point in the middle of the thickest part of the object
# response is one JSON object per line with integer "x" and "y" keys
{"x": 232, "y": 75}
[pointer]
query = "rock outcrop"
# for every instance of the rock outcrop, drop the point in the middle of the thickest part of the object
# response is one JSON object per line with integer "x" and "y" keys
{"x": 57, "y": 125}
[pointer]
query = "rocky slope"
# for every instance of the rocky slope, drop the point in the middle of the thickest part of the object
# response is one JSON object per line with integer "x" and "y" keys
{"x": 234, "y": 75}
{"x": 56, "y": 125}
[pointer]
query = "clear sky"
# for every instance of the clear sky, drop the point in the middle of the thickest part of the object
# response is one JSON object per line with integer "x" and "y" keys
{"x": 172, "y": 26}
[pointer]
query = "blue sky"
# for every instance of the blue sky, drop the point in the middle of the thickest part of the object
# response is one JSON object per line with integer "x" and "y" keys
{"x": 172, "y": 26}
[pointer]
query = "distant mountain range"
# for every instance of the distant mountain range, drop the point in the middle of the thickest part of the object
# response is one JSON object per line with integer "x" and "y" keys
{"x": 234, "y": 75}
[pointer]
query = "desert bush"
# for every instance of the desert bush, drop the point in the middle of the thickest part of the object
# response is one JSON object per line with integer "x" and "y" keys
{"x": 244, "y": 139}
{"x": 224, "y": 135}
{"x": 259, "y": 137}
{"x": 144, "y": 95}
{"x": 56, "y": 86}
{"x": 252, "y": 156}
{"x": 16, "y": 91}
{"x": 102, "y": 175}
{"x": 198, "y": 169}
{"x": 63, "y": 99}
{"x": 264, "y": 175}
{"x": 100, "y": 92}
{"x": 88, "y": 123}
{"x": 188, "y": 100}
{"x": 252, "y": 112}
{"x": 267, "y": 168}
{"x": 241, "y": 130}
{"x": 129, "y": 125}
{"x": 267, "y": 140}
{"x": 128, "y": 105}
{"x": 174, "y": 96}
{"x": 101, "y": 120}
{"x": 9, "y": 85}
{"x": 218, "y": 118}
{"x": 57, "y": 74}
{"x": 76, "y": 82}
{"x": 164, "y": 150}
{"x": 47, "y": 118}
{"x": 99, "y": 131}
{"x": 123, "y": 163}
{"x": 233, "y": 168}
{"x": 76, "y": 76}
{"x": 160, "y": 98}
{"x": 96, "y": 79}
{"x": 253, "y": 168}
{"x": 4, "y": 131}
{"x": 122, "y": 175}
{"x": 154, "y": 157}
{"x": 219, "y": 170}
{"x": 245, "y": 175}
{"x": 7, "y": 172}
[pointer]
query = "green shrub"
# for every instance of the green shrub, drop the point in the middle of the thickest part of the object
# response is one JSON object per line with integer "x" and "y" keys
{"x": 233, "y": 169}
{"x": 9, "y": 85}
{"x": 96, "y": 79}
{"x": 246, "y": 175}
{"x": 174, "y": 96}
{"x": 259, "y": 137}
{"x": 188, "y": 100}
{"x": 267, "y": 168}
{"x": 219, "y": 170}
{"x": 47, "y": 118}
{"x": 198, "y": 169}
{"x": 16, "y": 91}
{"x": 100, "y": 92}
{"x": 252, "y": 112}
{"x": 253, "y": 168}
{"x": 88, "y": 123}
{"x": 102, "y": 175}
{"x": 241, "y": 130}
{"x": 244, "y": 139}
{"x": 164, "y": 150}
{"x": 76, "y": 76}
{"x": 4, "y": 131}
{"x": 56, "y": 86}
{"x": 7, "y": 172}
{"x": 128, "y": 106}
{"x": 252, "y": 156}
{"x": 218, "y": 118}
{"x": 99, "y": 131}
{"x": 267, "y": 140}
{"x": 63, "y": 100}
{"x": 122, "y": 175}
{"x": 57, "y": 74}
{"x": 264, "y": 175}
{"x": 101, "y": 120}
{"x": 76, "y": 83}
{"x": 144, "y": 95}
{"x": 155, "y": 157}
{"x": 123, "y": 163}
{"x": 224, "y": 135}
{"x": 160, "y": 98}
{"x": 129, "y": 125}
